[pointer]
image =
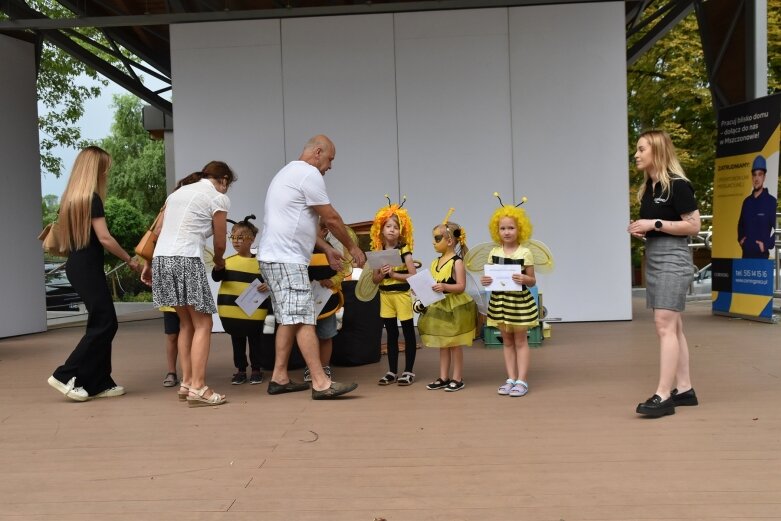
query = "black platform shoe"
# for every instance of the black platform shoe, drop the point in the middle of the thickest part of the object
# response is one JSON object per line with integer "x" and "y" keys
{"x": 655, "y": 406}
{"x": 685, "y": 398}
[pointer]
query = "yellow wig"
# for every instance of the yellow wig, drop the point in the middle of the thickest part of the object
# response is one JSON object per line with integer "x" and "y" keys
{"x": 382, "y": 216}
{"x": 522, "y": 222}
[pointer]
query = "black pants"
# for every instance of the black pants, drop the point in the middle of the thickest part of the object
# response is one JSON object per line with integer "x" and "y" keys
{"x": 90, "y": 361}
{"x": 410, "y": 344}
{"x": 240, "y": 351}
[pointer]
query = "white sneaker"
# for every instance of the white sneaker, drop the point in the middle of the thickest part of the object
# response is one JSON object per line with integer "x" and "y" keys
{"x": 111, "y": 392}
{"x": 69, "y": 390}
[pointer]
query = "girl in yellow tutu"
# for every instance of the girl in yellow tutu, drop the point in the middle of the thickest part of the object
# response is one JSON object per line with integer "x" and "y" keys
{"x": 449, "y": 324}
{"x": 513, "y": 312}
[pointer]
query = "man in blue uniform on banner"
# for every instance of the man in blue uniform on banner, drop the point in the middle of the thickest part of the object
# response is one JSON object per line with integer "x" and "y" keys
{"x": 757, "y": 222}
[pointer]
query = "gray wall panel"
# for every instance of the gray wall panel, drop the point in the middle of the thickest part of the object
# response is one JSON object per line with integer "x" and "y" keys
{"x": 570, "y": 135}
{"x": 228, "y": 104}
{"x": 339, "y": 79}
{"x": 23, "y": 305}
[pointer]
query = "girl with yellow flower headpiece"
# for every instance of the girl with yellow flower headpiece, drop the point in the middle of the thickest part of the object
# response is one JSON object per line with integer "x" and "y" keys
{"x": 513, "y": 311}
{"x": 392, "y": 229}
{"x": 449, "y": 324}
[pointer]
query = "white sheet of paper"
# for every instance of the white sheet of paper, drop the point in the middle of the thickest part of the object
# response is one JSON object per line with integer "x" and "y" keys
{"x": 321, "y": 296}
{"x": 378, "y": 259}
{"x": 250, "y": 299}
{"x": 502, "y": 275}
{"x": 421, "y": 283}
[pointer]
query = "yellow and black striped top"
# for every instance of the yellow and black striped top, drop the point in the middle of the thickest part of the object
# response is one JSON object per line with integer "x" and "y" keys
{"x": 388, "y": 284}
{"x": 239, "y": 272}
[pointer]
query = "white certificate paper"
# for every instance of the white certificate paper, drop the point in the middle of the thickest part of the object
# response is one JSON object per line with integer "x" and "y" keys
{"x": 378, "y": 259}
{"x": 250, "y": 299}
{"x": 421, "y": 283}
{"x": 502, "y": 275}
{"x": 321, "y": 296}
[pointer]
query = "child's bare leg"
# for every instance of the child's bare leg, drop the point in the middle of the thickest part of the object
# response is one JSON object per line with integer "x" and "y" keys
{"x": 508, "y": 349}
{"x": 522, "y": 354}
{"x": 444, "y": 363}
{"x": 458, "y": 363}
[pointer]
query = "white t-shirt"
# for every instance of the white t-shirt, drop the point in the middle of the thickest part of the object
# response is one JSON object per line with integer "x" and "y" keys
{"x": 289, "y": 221}
{"x": 187, "y": 221}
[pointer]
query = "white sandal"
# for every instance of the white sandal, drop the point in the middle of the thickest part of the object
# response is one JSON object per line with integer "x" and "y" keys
{"x": 406, "y": 378}
{"x": 196, "y": 398}
{"x": 183, "y": 391}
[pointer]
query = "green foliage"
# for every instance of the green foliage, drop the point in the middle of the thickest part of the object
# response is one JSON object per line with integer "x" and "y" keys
{"x": 61, "y": 99}
{"x": 774, "y": 45}
{"x": 143, "y": 296}
{"x": 138, "y": 163}
{"x": 126, "y": 223}
{"x": 50, "y": 205}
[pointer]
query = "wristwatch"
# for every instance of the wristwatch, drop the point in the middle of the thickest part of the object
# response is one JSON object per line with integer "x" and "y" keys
{"x": 658, "y": 225}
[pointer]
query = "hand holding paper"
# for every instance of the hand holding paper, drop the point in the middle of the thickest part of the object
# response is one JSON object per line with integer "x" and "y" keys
{"x": 502, "y": 277}
{"x": 250, "y": 299}
{"x": 422, "y": 283}
{"x": 378, "y": 259}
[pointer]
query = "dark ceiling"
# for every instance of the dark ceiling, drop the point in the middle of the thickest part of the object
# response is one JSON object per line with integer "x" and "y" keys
{"x": 142, "y": 28}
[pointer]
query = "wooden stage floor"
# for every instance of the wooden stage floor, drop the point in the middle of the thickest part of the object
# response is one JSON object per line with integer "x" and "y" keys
{"x": 572, "y": 449}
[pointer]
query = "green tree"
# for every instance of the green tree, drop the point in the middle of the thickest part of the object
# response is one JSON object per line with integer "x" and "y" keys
{"x": 61, "y": 96}
{"x": 774, "y": 45}
{"x": 138, "y": 162}
{"x": 127, "y": 225}
{"x": 50, "y": 205}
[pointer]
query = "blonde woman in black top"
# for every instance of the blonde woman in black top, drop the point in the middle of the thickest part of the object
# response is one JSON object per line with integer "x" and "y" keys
{"x": 668, "y": 215}
{"x": 86, "y": 374}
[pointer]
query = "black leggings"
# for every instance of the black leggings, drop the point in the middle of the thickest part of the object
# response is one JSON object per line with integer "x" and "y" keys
{"x": 240, "y": 351}
{"x": 410, "y": 349}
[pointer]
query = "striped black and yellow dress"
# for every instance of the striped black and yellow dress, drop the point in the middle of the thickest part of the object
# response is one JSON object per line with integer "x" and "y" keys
{"x": 239, "y": 272}
{"x": 449, "y": 322}
{"x": 512, "y": 308}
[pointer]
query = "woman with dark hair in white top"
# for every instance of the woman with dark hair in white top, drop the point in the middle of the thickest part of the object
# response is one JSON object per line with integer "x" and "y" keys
{"x": 193, "y": 212}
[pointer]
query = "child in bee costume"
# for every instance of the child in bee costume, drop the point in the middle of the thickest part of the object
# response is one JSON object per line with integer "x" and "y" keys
{"x": 392, "y": 229}
{"x": 240, "y": 270}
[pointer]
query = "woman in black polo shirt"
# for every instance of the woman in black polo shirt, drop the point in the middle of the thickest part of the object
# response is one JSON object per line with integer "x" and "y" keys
{"x": 668, "y": 215}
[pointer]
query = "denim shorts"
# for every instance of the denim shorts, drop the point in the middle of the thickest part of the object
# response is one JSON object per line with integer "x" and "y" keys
{"x": 326, "y": 327}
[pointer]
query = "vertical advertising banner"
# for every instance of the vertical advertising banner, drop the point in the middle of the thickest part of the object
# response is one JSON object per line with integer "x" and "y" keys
{"x": 745, "y": 203}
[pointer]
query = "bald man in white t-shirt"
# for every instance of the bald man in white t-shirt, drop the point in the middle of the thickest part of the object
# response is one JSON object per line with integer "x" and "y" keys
{"x": 295, "y": 202}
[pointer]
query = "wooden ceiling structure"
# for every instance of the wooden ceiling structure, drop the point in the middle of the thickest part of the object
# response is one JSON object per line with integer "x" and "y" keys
{"x": 137, "y": 32}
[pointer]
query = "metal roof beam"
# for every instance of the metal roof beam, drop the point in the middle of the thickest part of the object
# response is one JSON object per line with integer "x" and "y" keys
{"x": 676, "y": 10}
{"x": 251, "y": 14}
{"x": 108, "y": 70}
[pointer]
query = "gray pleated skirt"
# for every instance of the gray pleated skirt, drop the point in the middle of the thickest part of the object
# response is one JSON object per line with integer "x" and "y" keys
{"x": 668, "y": 272}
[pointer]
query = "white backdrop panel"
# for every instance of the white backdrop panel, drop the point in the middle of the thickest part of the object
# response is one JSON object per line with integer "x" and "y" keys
{"x": 569, "y": 125}
{"x": 445, "y": 107}
{"x": 228, "y": 104}
{"x": 455, "y": 145}
{"x": 23, "y": 306}
{"x": 338, "y": 75}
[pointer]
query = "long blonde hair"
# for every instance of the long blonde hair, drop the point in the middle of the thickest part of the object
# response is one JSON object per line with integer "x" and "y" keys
{"x": 665, "y": 161}
{"x": 88, "y": 176}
